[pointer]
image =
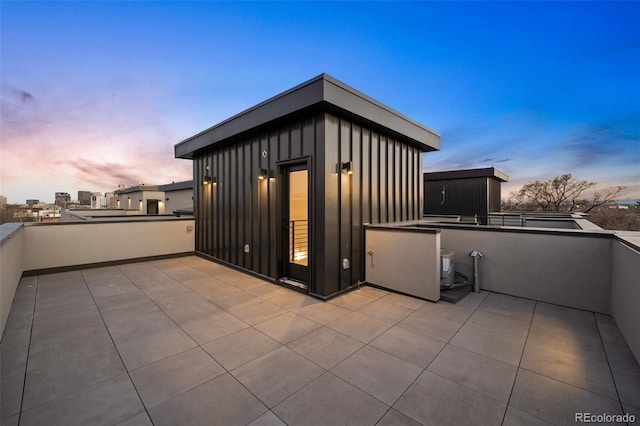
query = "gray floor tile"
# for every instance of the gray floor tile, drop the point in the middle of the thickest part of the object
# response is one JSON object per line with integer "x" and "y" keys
{"x": 503, "y": 346}
{"x": 330, "y": 401}
{"x": 515, "y": 417}
{"x": 213, "y": 327}
{"x": 372, "y": 292}
{"x": 221, "y": 401}
{"x": 322, "y": 313}
{"x": 186, "y": 307}
{"x": 473, "y": 300}
{"x": 377, "y": 373}
{"x": 146, "y": 350}
{"x": 277, "y": 375}
{"x": 396, "y": 418}
{"x": 109, "y": 402}
{"x": 434, "y": 400}
{"x": 11, "y": 388}
{"x": 287, "y": 327}
{"x": 240, "y": 347}
{"x": 448, "y": 311}
{"x": 554, "y": 401}
{"x": 235, "y": 298}
{"x": 429, "y": 324}
{"x": 609, "y": 329}
{"x": 78, "y": 343}
{"x": 632, "y": 410}
{"x": 509, "y": 306}
{"x": 69, "y": 374}
{"x": 359, "y": 327}
{"x": 576, "y": 366}
{"x": 267, "y": 419}
{"x": 325, "y": 347}
{"x": 292, "y": 300}
{"x": 13, "y": 361}
{"x": 11, "y": 420}
{"x": 403, "y": 300}
{"x": 478, "y": 372}
{"x": 266, "y": 290}
{"x": 128, "y": 310}
{"x": 257, "y": 311}
{"x": 414, "y": 348}
{"x": 172, "y": 376}
{"x": 351, "y": 301}
{"x": 141, "y": 419}
{"x": 386, "y": 311}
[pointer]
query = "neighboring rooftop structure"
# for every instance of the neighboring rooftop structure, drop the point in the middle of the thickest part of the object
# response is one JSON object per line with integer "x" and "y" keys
{"x": 472, "y": 192}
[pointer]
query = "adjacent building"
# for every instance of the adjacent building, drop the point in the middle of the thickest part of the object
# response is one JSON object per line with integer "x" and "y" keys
{"x": 284, "y": 189}
{"x": 62, "y": 199}
{"x": 473, "y": 193}
{"x": 84, "y": 198}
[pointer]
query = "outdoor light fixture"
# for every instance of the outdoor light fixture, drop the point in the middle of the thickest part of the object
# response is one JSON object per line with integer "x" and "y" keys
{"x": 264, "y": 174}
{"x": 206, "y": 180}
{"x": 214, "y": 180}
{"x": 347, "y": 167}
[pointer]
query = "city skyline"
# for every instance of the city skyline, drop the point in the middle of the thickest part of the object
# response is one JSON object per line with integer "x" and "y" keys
{"x": 95, "y": 95}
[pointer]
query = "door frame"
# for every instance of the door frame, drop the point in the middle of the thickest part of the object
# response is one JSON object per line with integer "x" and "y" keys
{"x": 282, "y": 240}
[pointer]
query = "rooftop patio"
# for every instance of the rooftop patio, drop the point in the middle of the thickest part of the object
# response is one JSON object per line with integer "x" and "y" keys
{"x": 188, "y": 341}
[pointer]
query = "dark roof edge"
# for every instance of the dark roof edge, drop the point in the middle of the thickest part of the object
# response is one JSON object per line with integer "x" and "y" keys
{"x": 318, "y": 90}
{"x": 491, "y": 172}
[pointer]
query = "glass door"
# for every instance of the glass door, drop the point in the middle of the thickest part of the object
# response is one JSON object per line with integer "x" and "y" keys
{"x": 297, "y": 223}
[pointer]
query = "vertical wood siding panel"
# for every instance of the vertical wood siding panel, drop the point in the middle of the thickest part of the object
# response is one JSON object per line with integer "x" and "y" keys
{"x": 264, "y": 210}
{"x": 345, "y": 204}
{"x": 384, "y": 217}
{"x": 356, "y": 204}
{"x": 367, "y": 181}
{"x": 331, "y": 206}
{"x": 375, "y": 178}
{"x": 272, "y": 220}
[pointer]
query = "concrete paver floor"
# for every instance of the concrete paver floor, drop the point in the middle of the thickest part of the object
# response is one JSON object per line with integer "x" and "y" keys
{"x": 187, "y": 341}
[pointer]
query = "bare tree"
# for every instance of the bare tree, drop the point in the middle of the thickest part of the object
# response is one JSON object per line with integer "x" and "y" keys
{"x": 562, "y": 193}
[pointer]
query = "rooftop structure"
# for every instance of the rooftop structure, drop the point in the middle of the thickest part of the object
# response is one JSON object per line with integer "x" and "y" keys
{"x": 283, "y": 189}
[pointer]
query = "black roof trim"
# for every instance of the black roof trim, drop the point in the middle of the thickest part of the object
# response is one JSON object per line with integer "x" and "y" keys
{"x": 490, "y": 172}
{"x": 323, "y": 91}
{"x": 176, "y": 186}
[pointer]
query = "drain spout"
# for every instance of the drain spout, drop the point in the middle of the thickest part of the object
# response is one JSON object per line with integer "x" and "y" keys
{"x": 476, "y": 279}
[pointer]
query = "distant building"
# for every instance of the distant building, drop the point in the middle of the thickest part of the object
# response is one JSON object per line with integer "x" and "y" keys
{"x": 32, "y": 203}
{"x": 3, "y": 200}
{"x": 84, "y": 198}
{"x": 62, "y": 199}
{"x": 156, "y": 199}
{"x": 178, "y": 196}
{"x": 147, "y": 199}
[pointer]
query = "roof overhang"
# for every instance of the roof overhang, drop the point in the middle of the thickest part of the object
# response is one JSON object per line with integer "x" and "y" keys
{"x": 324, "y": 93}
{"x": 489, "y": 172}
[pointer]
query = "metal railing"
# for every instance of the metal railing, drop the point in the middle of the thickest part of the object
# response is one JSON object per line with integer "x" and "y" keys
{"x": 299, "y": 241}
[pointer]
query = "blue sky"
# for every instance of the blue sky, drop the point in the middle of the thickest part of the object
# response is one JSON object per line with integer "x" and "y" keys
{"x": 95, "y": 94}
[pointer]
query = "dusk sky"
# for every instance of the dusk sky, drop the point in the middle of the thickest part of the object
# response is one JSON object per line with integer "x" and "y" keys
{"x": 96, "y": 94}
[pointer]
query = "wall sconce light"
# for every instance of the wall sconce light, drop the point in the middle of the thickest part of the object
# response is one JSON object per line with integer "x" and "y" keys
{"x": 214, "y": 180}
{"x": 206, "y": 180}
{"x": 264, "y": 174}
{"x": 128, "y": 198}
{"x": 346, "y": 167}
{"x": 166, "y": 199}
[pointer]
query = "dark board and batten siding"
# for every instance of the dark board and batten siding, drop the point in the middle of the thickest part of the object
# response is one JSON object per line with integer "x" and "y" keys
{"x": 386, "y": 185}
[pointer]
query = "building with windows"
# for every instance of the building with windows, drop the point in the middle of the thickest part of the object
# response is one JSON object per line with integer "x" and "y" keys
{"x": 62, "y": 199}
